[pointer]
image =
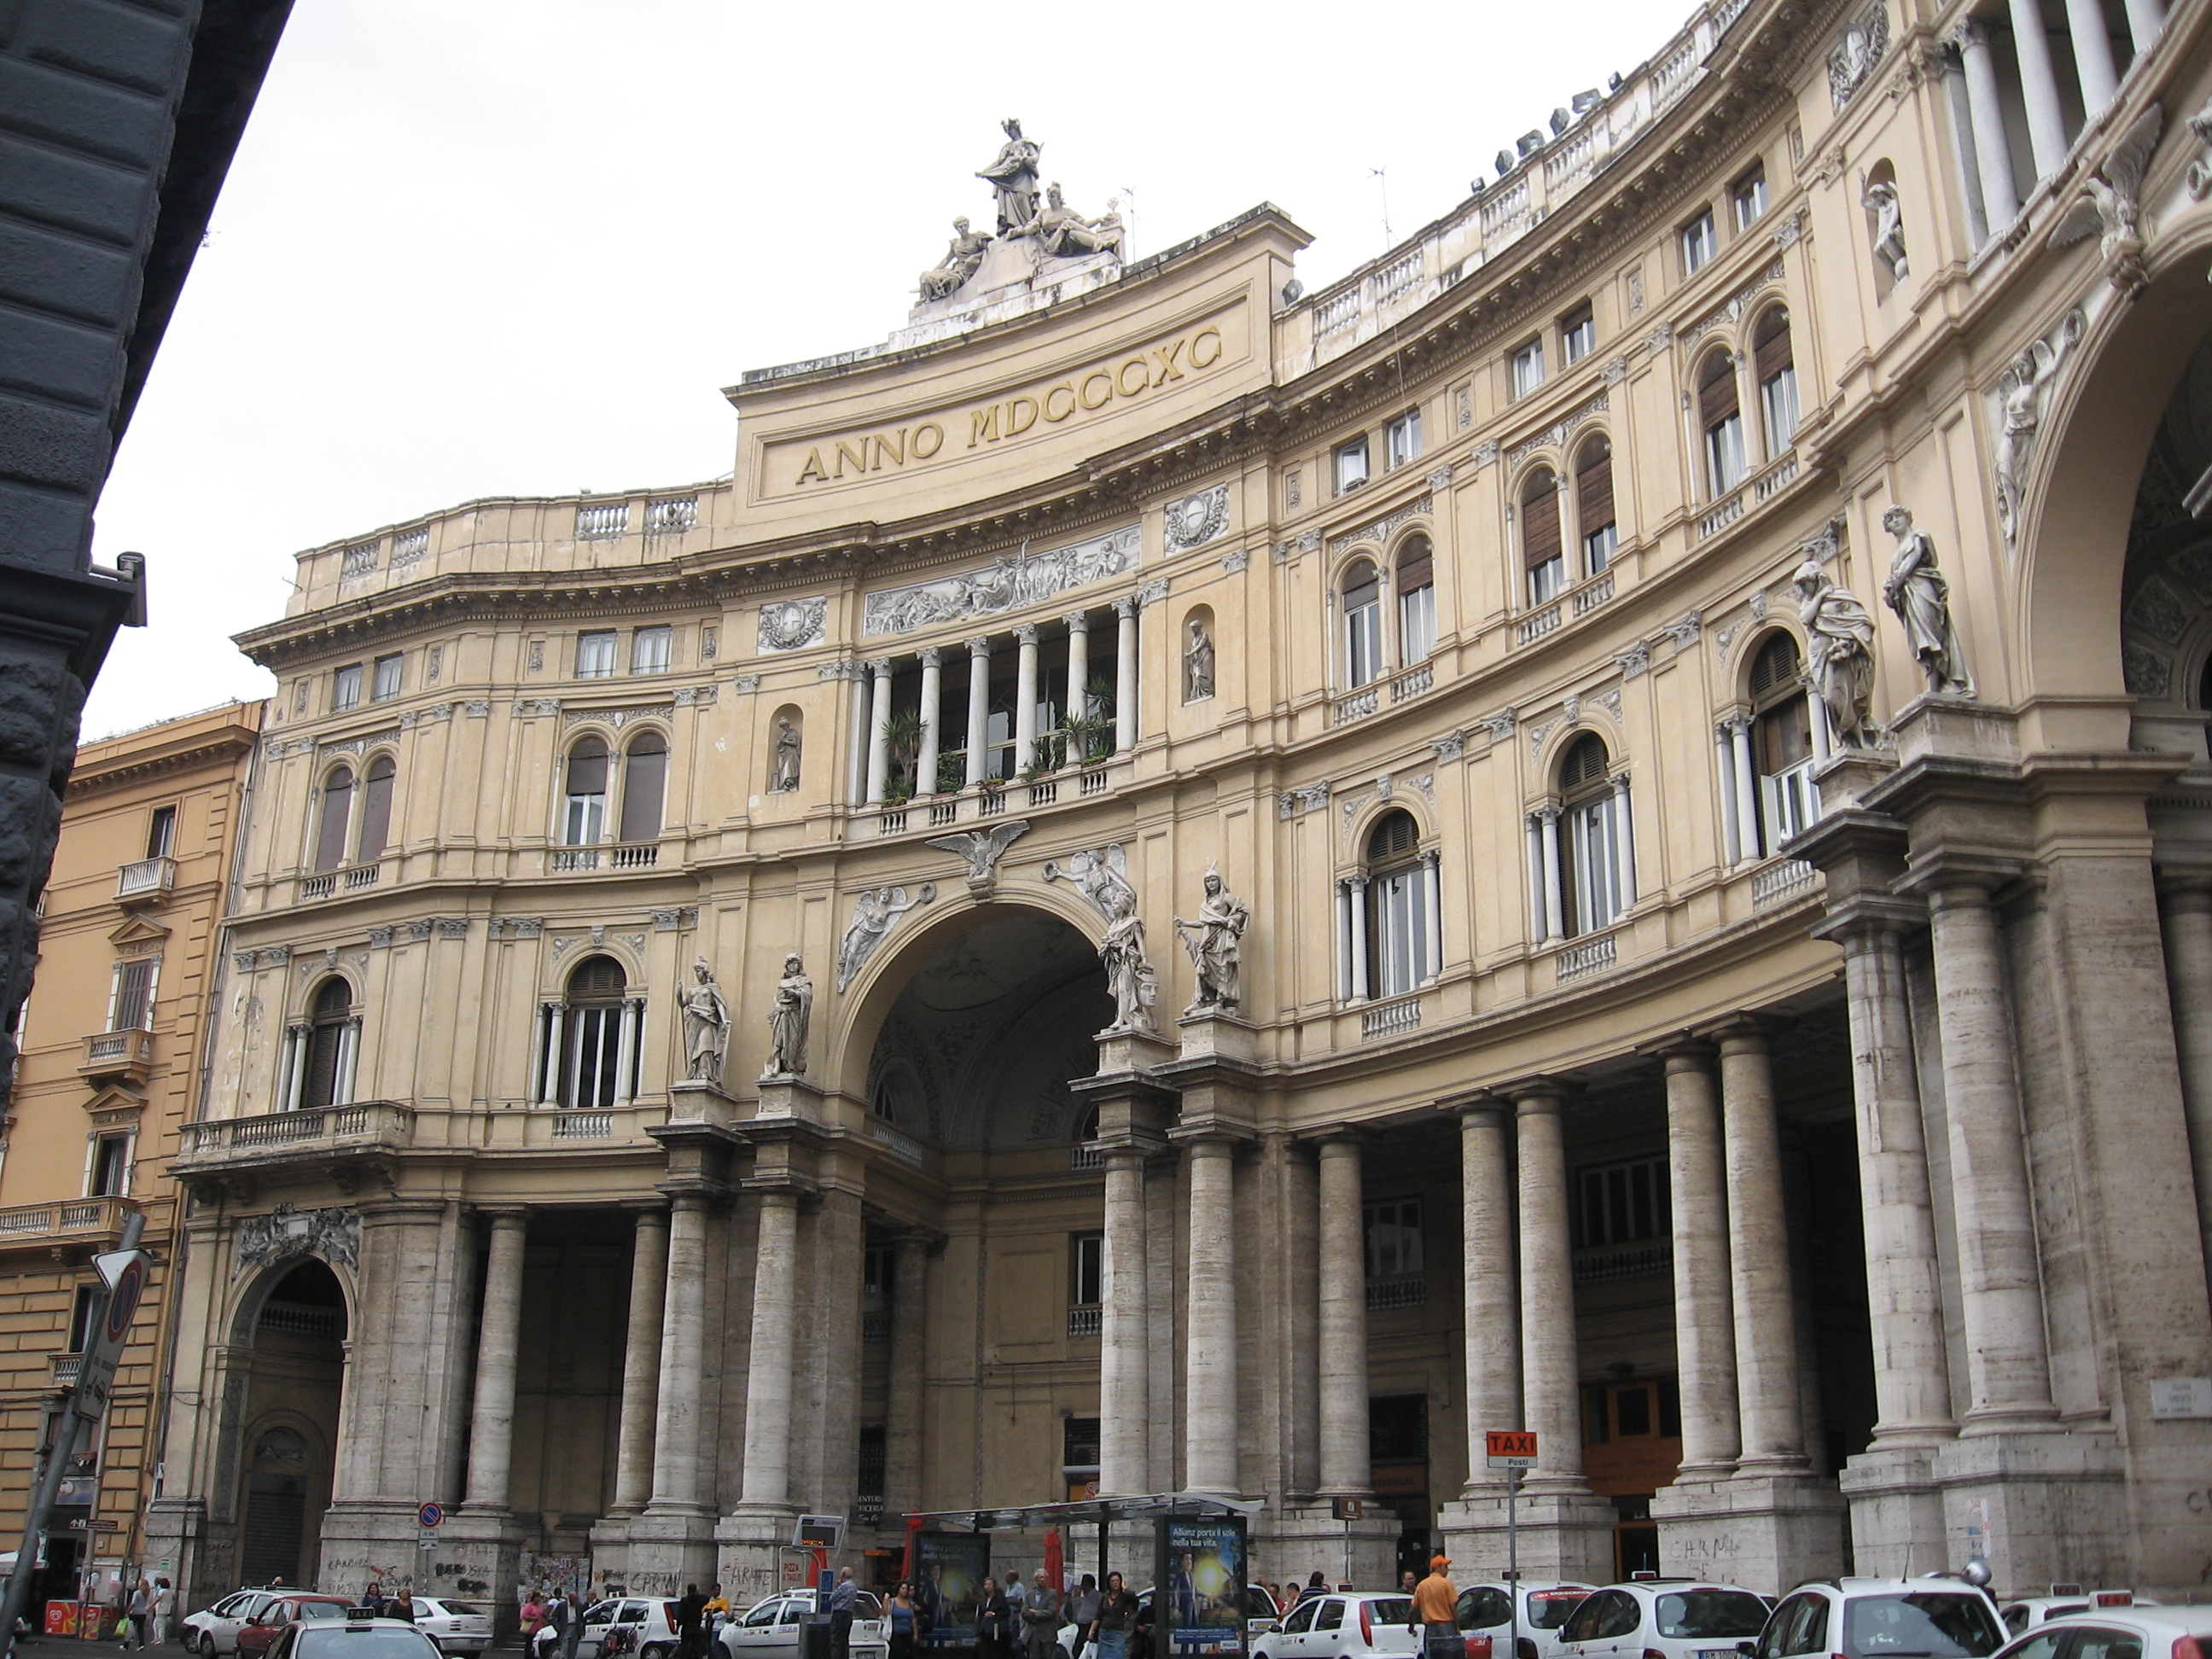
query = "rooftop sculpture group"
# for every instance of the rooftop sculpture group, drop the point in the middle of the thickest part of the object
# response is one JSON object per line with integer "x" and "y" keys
{"x": 1051, "y": 228}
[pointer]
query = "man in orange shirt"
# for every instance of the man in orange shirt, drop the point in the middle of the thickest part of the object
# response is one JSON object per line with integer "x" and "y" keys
{"x": 1435, "y": 1613}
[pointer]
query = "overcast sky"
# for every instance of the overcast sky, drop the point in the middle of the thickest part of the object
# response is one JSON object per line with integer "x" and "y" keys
{"x": 493, "y": 247}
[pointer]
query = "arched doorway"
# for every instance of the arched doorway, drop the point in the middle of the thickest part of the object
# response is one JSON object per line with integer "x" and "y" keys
{"x": 290, "y": 1426}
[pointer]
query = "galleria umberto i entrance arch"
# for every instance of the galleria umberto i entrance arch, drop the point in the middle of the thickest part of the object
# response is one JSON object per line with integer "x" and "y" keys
{"x": 726, "y": 993}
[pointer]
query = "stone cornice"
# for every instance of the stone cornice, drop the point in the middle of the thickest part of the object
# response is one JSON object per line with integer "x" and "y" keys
{"x": 226, "y": 746}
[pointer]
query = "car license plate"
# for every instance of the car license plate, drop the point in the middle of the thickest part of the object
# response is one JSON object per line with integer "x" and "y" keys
{"x": 1716, "y": 1653}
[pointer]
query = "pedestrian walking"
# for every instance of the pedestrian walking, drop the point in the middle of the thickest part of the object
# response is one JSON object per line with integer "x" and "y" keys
{"x": 1017, "y": 1594}
{"x": 1083, "y": 1613}
{"x": 844, "y": 1598}
{"x": 1435, "y": 1616}
{"x": 138, "y": 1612}
{"x": 572, "y": 1624}
{"x": 690, "y": 1609}
{"x": 905, "y": 1618}
{"x": 718, "y": 1610}
{"x": 372, "y": 1601}
{"x": 1041, "y": 1618}
{"x": 165, "y": 1608}
{"x": 1116, "y": 1619}
{"x": 994, "y": 1622}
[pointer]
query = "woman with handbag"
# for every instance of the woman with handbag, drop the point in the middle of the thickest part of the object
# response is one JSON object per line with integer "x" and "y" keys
{"x": 994, "y": 1622}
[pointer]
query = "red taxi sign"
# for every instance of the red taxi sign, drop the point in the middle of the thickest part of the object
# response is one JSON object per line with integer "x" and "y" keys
{"x": 1511, "y": 1449}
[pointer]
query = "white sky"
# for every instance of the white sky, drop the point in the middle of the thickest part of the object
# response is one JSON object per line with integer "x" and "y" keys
{"x": 491, "y": 247}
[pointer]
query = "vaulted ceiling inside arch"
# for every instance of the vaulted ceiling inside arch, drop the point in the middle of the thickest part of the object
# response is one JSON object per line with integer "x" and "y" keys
{"x": 981, "y": 1046}
{"x": 2167, "y": 627}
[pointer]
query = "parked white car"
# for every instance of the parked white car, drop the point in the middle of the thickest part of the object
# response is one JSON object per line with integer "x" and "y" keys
{"x": 1343, "y": 1626}
{"x": 651, "y": 1626}
{"x": 213, "y": 1631}
{"x": 1487, "y": 1609}
{"x": 1937, "y": 1617}
{"x": 2144, "y": 1631}
{"x": 455, "y": 1626}
{"x": 769, "y": 1629}
{"x": 1661, "y": 1619}
{"x": 2024, "y": 1615}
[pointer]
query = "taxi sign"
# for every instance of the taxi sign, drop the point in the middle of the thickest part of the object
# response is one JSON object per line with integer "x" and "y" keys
{"x": 1511, "y": 1449}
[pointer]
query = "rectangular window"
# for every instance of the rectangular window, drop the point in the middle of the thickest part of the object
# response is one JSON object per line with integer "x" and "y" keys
{"x": 1528, "y": 368}
{"x": 1086, "y": 1269}
{"x": 1394, "y": 1237}
{"x": 1578, "y": 334}
{"x": 1417, "y": 620}
{"x": 1777, "y": 403}
{"x": 1401, "y": 942}
{"x": 110, "y": 1167}
{"x": 387, "y": 677}
{"x": 81, "y": 1311}
{"x": 161, "y": 833}
{"x": 1541, "y": 548}
{"x": 1724, "y": 452}
{"x": 595, "y": 655}
{"x": 1363, "y": 644}
{"x": 345, "y": 687}
{"x": 1698, "y": 244}
{"x": 1595, "y": 896}
{"x": 1598, "y": 549}
{"x": 649, "y": 651}
{"x": 131, "y": 1002}
{"x": 1351, "y": 466}
{"x": 1397, "y": 1428}
{"x": 1405, "y": 436}
{"x": 1621, "y": 1204}
{"x": 1079, "y": 1444}
{"x": 868, "y": 1491}
{"x": 1748, "y": 196}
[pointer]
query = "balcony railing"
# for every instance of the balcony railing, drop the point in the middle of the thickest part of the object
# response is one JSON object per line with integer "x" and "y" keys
{"x": 1387, "y": 1019}
{"x": 1357, "y": 707}
{"x": 1590, "y": 957}
{"x": 1412, "y": 681}
{"x": 584, "y": 1125}
{"x": 1084, "y": 1320}
{"x": 145, "y": 877}
{"x": 1720, "y": 516}
{"x": 118, "y": 1053}
{"x": 360, "y": 1125}
{"x": 1622, "y": 1261}
{"x": 85, "y": 1220}
{"x": 1084, "y": 1156}
{"x": 1535, "y": 625}
{"x": 352, "y": 879}
{"x": 1593, "y": 593}
{"x": 1408, "y": 1290}
{"x": 65, "y": 1367}
{"x": 1779, "y": 880}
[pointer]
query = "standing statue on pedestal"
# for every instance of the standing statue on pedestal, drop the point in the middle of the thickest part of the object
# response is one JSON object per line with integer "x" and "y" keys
{"x": 1881, "y": 200}
{"x": 784, "y": 774}
{"x": 787, "y": 1022}
{"x": 706, "y": 1027}
{"x": 1916, "y": 590}
{"x": 1197, "y": 664}
{"x": 1839, "y": 654}
{"x": 1129, "y": 975}
{"x": 1014, "y": 176}
{"x": 963, "y": 259}
{"x": 1216, "y": 944}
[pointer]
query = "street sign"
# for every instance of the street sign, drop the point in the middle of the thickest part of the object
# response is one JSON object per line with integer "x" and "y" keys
{"x": 1346, "y": 1508}
{"x": 431, "y": 1514}
{"x": 124, "y": 1273}
{"x": 1511, "y": 1449}
{"x": 818, "y": 1532}
{"x": 82, "y": 1525}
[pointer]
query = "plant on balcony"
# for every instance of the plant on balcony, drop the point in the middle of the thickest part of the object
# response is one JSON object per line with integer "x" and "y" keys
{"x": 902, "y": 746}
{"x": 1090, "y": 737}
{"x": 952, "y": 772}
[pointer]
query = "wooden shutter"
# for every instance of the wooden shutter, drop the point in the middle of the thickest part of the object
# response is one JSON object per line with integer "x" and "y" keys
{"x": 1594, "y": 493}
{"x": 1773, "y": 355}
{"x": 1716, "y": 399}
{"x": 1416, "y": 566}
{"x": 337, "y": 810}
{"x": 1539, "y": 525}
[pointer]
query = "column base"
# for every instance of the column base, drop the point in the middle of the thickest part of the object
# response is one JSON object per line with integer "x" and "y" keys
{"x": 669, "y": 1546}
{"x": 2040, "y": 1507}
{"x": 177, "y": 1549}
{"x": 1290, "y": 1544}
{"x": 372, "y": 1541}
{"x": 1563, "y": 1535}
{"x": 1768, "y": 1533}
{"x": 1897, "y": 1514}
{"x": 749, "y": 1546}
{"x": 478, "y": 1555}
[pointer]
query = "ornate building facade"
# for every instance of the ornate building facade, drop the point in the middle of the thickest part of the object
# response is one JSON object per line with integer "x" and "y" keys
{"x": 114, "y": 1040}
{"x": 732, "y": 1015}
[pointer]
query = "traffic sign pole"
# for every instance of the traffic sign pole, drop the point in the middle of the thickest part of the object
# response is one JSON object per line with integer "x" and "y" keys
{"x": 1512, "y": 1450}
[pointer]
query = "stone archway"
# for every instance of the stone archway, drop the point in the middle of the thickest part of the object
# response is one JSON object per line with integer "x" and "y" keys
{"x": 295, "y": 1333}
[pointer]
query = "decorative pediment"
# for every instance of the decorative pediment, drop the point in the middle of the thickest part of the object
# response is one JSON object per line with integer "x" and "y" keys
{"x": 114, "y": 1107}
{"x": 138, "y": 935}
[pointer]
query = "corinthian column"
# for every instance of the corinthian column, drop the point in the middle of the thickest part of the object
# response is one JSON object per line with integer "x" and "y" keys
{"x": 491, "y": 1431}
{"x": 1209, "y": 1457}
{"x": 879, "y": 714}
{"x": 2008, "y": 1363}
{"x": 1704, "y": 1339}
{"x": 932, "y": 698}
{"x": 675, "y": 1464}
{"x": 1025, "y": 698}
{"x": 1343, "y": 1345}
{"x": 767, "y": 1379}
{"x": 641, "y": 1395}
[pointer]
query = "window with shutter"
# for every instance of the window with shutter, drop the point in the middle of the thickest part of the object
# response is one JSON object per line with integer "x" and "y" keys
{"x": 336, "y": 812}
{"x": 332, "y": 1013}
{"x": 645, "y": 776}
{"x": 134, "y": 996}
{"x": 1540, "y": 521}
{"x": 1716, "y": 398}
{"x": 375, "y": 810}
{"x": 1594, "y": 510}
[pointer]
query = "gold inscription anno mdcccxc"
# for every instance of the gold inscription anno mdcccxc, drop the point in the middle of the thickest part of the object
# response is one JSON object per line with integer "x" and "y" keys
{"x": 993, "y": 422}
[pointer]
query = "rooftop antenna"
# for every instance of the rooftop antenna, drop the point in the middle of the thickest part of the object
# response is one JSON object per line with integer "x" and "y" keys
{"x": 1382, "y": 177}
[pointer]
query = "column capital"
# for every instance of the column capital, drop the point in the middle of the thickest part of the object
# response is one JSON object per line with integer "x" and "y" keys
{"x": 1533, "y": 1097}
{"x": 1683, "y": 1051}
{"x": 1126, "y": 606}
{"x": 1966, "y": 35}
{"x": 1078, "y": 622}
{"x": 1480, "y": 1104}
{"x": 880, "y": 667}
{"x": 2184, "y": 891}
{"x": 1742, "y": 1032}
{"x": 1341, "y": 1139}
{"x": 506, "y": 1215}
{"x": 649, "y": 1211}
{"x": 933, "y": 656}
{"x": 1547, "y": 814}
{"x": 980, "y": 646}
{"x": 1026, "y": 634}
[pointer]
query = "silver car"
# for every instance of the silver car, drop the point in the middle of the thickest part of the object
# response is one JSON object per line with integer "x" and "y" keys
{"x": 455, "y": 1626}
{"x": 213, "y": 1631}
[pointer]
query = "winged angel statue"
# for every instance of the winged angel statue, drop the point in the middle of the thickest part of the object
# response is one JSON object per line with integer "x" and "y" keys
{"x": 2109, "y": 205}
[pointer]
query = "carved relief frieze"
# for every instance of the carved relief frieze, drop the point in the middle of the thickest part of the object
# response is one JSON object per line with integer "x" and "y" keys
{"x": 1382, "y": 529}
{"x": 1732, "y": 310}
{"x": 794, "y": 624}
{"x": 1009, "y": 582}
{"x": 1196, "y": 519}
{"x": 332, "y": 1234}
{"x": 1557, "y": 433}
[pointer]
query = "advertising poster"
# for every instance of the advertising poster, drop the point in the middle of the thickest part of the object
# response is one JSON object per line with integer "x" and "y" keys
{"x": 950, "y": 1568}
{"x": 1201, "y": 1571}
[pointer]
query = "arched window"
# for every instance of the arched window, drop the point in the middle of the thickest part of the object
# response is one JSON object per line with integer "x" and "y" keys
{"x": 1720, "y": 417}
{"x": 1592, "y": 853}
{"x": 1782, "y": 743}
{"x": 333, "y": 815}
{"x": 1402, "y": 909}
{"x": 584, "y": 819}
{"x": 1775, "y": 368}
{"x": 1417, "y": 599}
{"x": 1593, "y": 513}
{"x": 375, "y": 810}
{"x": 587, "y": 1043}
{"x": 1363, "y": 624}
{"x": 321, "y": 1051}
{"x": 1539, "y": 536}
{"x": 645, "y": 778}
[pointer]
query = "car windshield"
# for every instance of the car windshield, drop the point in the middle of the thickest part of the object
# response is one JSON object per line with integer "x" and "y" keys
{"x": 1549, "y": 1609}
{"x": 322, "y": 1609}
{"x": 479, "y": 1609}
{"x": 1390, "y": 1609}
{"x": 1701, "y": 1615}
{"x": 370, "y": 1642}
{"x": 1924, "y": 1626}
